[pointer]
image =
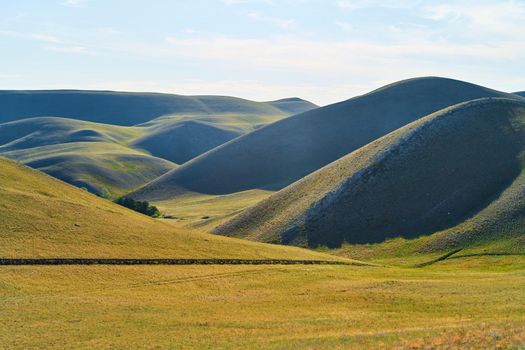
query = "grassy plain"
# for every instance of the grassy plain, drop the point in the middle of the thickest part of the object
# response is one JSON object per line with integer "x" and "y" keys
{"x": 469, "y": 303}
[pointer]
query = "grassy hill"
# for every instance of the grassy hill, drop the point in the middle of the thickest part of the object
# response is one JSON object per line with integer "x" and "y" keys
{"x": 280, "y": 153}
{"x": 44, "y": 217}
{"x": 127, "y": 108}
{"x": 85, "y": 154}
{"x": 112, "y": 159}
{"x": 458, "y": 172}
{"x": 520, "y": 93}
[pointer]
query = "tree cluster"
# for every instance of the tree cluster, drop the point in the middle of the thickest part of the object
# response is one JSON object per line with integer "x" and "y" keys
{"x": 141, "y": 206}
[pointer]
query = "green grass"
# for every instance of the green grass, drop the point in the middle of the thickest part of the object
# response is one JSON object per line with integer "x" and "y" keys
{"x": 469, "y": 304}
{"x": 104, "y": 168}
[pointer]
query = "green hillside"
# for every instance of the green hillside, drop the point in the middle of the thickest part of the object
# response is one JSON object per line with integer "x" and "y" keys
{"x": 103, "y": 168}
{"x": 287, "y": 150}
{"x": 126, "y": 108}
{"x": 44, "y": 217}
{"x": 458, "y": 172}
{"x": 90, "y": 155}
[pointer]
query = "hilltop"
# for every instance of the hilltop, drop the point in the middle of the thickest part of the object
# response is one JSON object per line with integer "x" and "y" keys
{"x": 458, "y": 171}
{"x": 44, "y": 217}
{"x": 278, "y": 154}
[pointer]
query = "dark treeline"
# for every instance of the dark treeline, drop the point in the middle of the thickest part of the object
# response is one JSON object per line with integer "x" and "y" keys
{"x": 141, "y": 206}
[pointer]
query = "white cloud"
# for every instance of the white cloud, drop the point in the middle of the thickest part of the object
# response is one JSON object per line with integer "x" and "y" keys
{"x": 345, "y": 26}
{"x": 45, "y": 38}
{"x": 325, "y": 57}
{"x": 69, "y": 49}
{"x": 278, "y": 22}
{"x": 502, "y": 18}
{"x": 30, "y": 36}
{"x": 75, "y": 3}
{"x": 361, "y": 4}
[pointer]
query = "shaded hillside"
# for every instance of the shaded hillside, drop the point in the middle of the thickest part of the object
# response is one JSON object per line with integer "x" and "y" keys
{"x": 181, "y": 141}
{"x": 459, "y": 169}
{"x": 285, "y": 151}
{"x": 125, "y": 108}
{"x": 520, "y": 93}
{"x": 41, "y": 217}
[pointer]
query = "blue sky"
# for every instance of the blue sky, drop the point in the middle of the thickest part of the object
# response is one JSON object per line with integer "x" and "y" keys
{"x": 322, "y": 50}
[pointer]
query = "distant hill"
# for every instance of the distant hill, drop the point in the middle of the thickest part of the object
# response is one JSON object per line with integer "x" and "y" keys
{"x": 125, "y": 108}
{"x": 42, "y": 217}
{"x": 293, "y": 105}
{"x": 287, "y": 150}
{"x": 112, "y": 159}
{"x": 458, "y": 172}
{"x": 130, "y": 108}
{"x": 520, "y": 93}
{"x": 85, "y": 154}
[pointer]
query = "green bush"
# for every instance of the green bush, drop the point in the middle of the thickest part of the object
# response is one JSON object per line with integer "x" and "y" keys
{"x": 141, "y": 206}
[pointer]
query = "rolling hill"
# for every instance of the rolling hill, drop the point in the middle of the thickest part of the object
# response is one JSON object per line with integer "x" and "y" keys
{"x": 280, "y": 153}
{"x": 130, "y": 108}
{"x": 41, "y": 217}
{"x": 90, "y": 155}
{"x": 520, "y": 93}
{"x": 458, "y": 171}
{"x": 110, "y": 157}
{"x": 111, "y": 160}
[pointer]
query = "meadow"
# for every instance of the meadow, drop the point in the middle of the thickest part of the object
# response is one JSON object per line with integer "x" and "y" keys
{"x": 467, "y": 303}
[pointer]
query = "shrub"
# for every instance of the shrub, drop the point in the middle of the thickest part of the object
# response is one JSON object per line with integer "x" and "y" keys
{"x": 140, "y": 206}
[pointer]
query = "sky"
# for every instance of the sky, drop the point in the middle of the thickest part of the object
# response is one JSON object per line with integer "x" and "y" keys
{"x": 321, "y": 50}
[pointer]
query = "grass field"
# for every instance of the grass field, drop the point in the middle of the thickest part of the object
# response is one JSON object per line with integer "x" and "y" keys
{"x": 469, "y": 303}
{"x": 204, "y": 211}
{"x": 41, "y": 217}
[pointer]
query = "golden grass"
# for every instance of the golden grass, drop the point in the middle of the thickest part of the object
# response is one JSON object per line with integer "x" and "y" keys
{"x": 263, "y": 307}
{"x": 204, "y": 211}
{"x": 44, "y": 217}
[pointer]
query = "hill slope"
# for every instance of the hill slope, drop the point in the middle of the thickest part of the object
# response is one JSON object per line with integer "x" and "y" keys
{"x": 520, "y": 93}
{"x": 180, "y": 141}
{"x": 44, "y": 217}
{"x": 283, "y": 152}
{"x": 459, "y": 170}
{"x": 85, "y": 154}
{"x": 125, "y": 108}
